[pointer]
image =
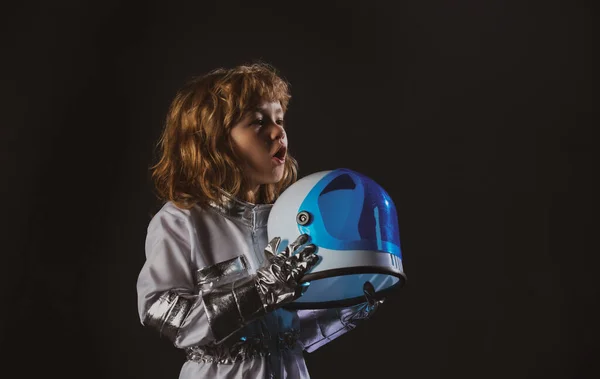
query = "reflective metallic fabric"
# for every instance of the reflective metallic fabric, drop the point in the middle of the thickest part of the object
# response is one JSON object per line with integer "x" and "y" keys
{"x": 365, "y": 310}
{"x": 244, "y": 348}
{"x": 188, "y": 252}
{"x": 232, "y": 306}
{"x": 167, "y": 313}
{"x": 278, "y": 282}
{"x": 212, "y": 274}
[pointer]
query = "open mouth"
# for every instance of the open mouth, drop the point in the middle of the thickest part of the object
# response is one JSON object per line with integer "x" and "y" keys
{"x": 280, "y": 154}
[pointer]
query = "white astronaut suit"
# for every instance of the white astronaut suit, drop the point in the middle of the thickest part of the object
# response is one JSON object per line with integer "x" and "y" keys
{"x": 190, "y": 252}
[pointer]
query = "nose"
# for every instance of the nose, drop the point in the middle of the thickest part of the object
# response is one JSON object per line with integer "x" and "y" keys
{"x": 277, "y": 132}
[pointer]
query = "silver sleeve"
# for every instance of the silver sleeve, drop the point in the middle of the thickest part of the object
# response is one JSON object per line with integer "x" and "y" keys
{"x": 229, "y": 307}
{"x": 167, "y": 314}
{"x": 232, "y": 306}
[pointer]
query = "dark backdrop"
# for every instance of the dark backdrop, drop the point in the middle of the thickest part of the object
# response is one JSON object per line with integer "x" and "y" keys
{"x": 474, "y": 115}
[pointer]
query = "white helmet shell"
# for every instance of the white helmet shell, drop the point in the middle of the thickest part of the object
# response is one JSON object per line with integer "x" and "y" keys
{"x": 353, "y": 222}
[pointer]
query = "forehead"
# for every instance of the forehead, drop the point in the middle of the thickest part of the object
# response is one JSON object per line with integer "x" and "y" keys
{"x": 269, "y": 107}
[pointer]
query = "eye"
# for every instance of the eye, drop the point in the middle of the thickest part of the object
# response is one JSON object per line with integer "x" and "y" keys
{"x": 258, "y": 121}
{"x": 281, "y": 122}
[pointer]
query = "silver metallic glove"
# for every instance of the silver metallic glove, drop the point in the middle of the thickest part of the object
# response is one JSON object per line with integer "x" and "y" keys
{"x": 363, "y": 311}
{"x": 278, "y": 282}
{"x": 234, "y": 305}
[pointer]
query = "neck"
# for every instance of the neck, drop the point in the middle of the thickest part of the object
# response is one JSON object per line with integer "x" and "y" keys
{"x": 250, "y": 195}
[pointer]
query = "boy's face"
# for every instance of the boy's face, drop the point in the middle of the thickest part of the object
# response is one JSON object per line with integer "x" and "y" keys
{"x": 260, "y": 140}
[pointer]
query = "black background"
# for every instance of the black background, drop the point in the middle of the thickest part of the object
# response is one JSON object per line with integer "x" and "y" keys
{"x": 474, "y": 115}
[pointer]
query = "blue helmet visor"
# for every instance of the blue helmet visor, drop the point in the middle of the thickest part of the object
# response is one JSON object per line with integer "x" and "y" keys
{"x": 349, "y": 211}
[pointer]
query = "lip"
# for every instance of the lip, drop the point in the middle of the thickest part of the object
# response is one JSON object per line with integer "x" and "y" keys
{"x": 277, "y": 149}
{"x": 278, "y": 161}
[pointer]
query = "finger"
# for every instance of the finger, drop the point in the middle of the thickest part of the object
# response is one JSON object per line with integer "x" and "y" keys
{"x": 302, "y": 267}
{"x": 278, "y": 273}
{"x": 297, "y": 273}
{"x": 311, "y": 261}
{"x": 272, "y": 247}
{"x": 308, "y": 263}
{"x": 291, "y": 262}
{"x": 369, "y": 292}
{"x": 301, "y": 240}
{"x": 307, "y": 251}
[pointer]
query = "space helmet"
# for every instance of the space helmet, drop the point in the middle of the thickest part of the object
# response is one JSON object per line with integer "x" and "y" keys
{"x": 353, "y": 223}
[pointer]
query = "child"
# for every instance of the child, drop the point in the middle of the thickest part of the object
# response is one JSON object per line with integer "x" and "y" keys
{"x": 211, "y": 283}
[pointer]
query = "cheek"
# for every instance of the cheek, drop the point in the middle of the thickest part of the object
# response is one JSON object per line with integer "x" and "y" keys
{"x": 242, "y": 147}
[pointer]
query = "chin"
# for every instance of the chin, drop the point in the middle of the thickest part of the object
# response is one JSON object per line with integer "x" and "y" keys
{"x": 274, "y": 178}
